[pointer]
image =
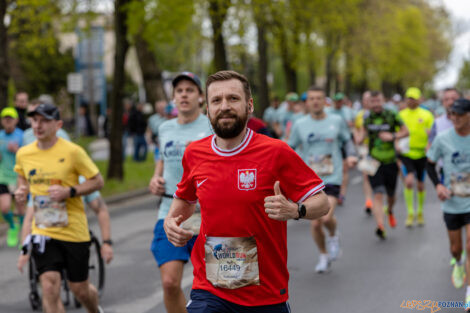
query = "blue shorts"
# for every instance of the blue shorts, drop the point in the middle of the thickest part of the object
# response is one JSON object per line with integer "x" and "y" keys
{"x": 164, "y": 251}
{"x": 203, "y": 301}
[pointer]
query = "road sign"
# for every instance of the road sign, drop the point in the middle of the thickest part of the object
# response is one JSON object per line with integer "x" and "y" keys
{"x": 75, "y": 83}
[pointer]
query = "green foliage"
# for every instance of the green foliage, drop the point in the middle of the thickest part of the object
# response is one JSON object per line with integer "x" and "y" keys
{"x": 464, "y": 76}
{"x": 34, "y": 47}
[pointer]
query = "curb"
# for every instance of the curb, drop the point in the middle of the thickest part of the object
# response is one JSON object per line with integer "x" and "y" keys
{"x": 111, "y": 200}
{"x": 126, "y": 196}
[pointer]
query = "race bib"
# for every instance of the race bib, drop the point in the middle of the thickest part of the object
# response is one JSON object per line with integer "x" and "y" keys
{"x": 232, "y": 262}
{"x": 460, "y": 184}
{"x": 321, "y": 164}
{"x": 362, "y": 151}
{"x": 368, "y": 165}
{"x": 403, "y": 145}
{"x": 48, "y": 213}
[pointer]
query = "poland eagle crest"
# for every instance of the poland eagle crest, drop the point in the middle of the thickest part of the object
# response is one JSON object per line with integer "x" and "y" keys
{"x": 247, "y": 179}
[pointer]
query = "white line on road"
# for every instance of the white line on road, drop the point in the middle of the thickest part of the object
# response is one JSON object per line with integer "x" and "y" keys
{"x": 356, "y": 180}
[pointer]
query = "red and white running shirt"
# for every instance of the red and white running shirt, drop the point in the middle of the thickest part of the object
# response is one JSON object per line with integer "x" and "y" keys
{"x": 231, "y": 186}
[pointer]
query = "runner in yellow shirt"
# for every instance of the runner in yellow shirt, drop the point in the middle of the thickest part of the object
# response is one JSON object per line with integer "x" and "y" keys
{"x": 48, "y": 169}
{"x": 419, "y": 122}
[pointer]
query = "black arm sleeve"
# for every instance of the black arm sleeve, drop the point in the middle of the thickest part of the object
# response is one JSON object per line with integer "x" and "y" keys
{"x": 349, "y": 148}
{"x": 432, "y": 173}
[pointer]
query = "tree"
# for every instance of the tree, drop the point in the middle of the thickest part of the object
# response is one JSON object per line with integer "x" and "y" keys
{"x": 464, "y": 76}
{"x": 218, "y": 12}
{"x": 4, "y": 64}
{"x": 115, "y": 168}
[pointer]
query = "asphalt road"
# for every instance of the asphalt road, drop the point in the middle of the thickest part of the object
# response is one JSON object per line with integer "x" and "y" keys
{"x": 372, "y": 275}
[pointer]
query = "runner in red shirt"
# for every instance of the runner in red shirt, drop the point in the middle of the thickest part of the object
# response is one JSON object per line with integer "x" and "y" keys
{"x": 243, "y": 181}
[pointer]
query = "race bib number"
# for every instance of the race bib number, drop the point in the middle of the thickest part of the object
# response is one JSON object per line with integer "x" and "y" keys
{"x": 321, "y": 164}
{"x": 232, "y": 262}
{"x": 48, "y": 213}
{"x": 460, "y": 184}
{"x": 368, "y": 165}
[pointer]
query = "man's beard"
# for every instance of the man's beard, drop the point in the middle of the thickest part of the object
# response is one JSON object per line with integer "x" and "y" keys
{"x": 232, "y": 130}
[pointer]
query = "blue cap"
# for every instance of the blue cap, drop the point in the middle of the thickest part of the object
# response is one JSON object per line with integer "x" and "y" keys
{"x": 188, "y": 76}
{"x": 304, "y": 96}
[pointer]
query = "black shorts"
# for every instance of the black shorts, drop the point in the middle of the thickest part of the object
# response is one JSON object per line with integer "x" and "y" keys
{"x": 385, "y": 180}
{"x": 332, "y": 190}
{"x": 4, "y": 189}
{"x": 456, "y": 221}
{"x": 59, "y": 255}
{"x": 203, "y": 301}
{"x": 418, "y": 167}
{"x": 343, "y": 153}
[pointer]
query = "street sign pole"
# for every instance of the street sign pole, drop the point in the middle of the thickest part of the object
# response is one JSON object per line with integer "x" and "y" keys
{"x": 75, "y": 86}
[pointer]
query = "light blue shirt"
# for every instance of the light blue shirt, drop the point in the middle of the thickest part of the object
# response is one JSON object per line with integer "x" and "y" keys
{"x": 8, "y": 158}
{"x": 345, "y": 112}
{"x": 269, "y": 115}
{"x": 320, "y": 138}
{"x": 454, "y": 150}
{"x": 173, "y": 139}
{"x": 154, "y": 123}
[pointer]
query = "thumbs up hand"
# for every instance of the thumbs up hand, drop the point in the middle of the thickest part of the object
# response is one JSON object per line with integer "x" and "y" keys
{"x": 278, "y": 207}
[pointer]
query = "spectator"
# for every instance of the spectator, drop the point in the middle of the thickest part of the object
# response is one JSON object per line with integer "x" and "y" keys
{"x": 21, "y": 104}
{"x": 137, "y": 127}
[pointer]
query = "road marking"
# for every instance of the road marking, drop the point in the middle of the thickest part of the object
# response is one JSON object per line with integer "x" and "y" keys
{"x": 356, "y": 180}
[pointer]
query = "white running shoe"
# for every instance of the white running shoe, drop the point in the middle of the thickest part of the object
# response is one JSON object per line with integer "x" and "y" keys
{"x": 100, "y": 309}
{"x": 323, "y": 264}
{"x": 334, "y": 250}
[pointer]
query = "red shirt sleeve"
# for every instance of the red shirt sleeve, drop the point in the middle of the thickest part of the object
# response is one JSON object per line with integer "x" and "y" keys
{"x": 185, "y": 188}
{"x": 297, "y": 180}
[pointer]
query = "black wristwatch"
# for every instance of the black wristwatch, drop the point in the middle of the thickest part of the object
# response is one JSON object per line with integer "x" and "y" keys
{"x": 108, "y": 242}
{"x": 73, "y": 192}
{"x": 302, "y": 211}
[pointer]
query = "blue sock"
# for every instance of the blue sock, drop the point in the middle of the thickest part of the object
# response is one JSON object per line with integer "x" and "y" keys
{"x": 8, "y": 217}
{"x": 21, "y": 219}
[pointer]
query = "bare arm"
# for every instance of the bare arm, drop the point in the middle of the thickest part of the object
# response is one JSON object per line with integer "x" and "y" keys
{"x": 101, "y": 210}
{"x": 60, "y": 193}
{"x": 180, "y": 210}
{"x": 279, "y": 208}
{"x": 157, "y": 183}
{"x": 402, "y": 133}
{"x": 360, "y": 135}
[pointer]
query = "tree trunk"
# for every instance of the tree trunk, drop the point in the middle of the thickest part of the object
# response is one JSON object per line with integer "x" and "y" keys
{"x": 289, "y": 72}
{"x": 329, "y": 72}
{"x": 263, "y": 92}
{"x": 115, "y": 168}
{"x": 4, "y": 64}
{"x": 151, "y": 72}
{"x": 217, "y": 13}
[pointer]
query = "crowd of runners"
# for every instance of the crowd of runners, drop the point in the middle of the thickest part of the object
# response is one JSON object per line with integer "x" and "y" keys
{"x": 227, "y": 182}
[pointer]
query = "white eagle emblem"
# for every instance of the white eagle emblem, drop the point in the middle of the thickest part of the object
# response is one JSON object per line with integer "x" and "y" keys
{"x": 247, "y": 179}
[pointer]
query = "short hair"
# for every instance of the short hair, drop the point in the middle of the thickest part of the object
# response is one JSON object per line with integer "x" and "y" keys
{"x": 316, "y": 88}
{"x": 376, "y": 93}
{"x": 228, "y": 75}
{"x": 20, "y": 92}
{"x": 453, "y": 89}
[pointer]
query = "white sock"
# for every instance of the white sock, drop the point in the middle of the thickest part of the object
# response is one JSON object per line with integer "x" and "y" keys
{"x": 468, "y": 291}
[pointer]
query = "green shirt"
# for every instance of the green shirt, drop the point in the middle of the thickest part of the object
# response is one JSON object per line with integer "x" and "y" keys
{"x": 374, "y": 123}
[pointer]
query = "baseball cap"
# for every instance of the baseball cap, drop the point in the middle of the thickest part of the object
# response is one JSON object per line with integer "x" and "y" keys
{"x": 413, "y": 93}
{"x": 460, "y": 106}
{"x": 303, "y": 97}
{"x": 47, "y": 110}
{"x": 338, "y": 96}
{"x": 10, "y": 112}
{"x": 189, "y": 76}
{"x": 292, "y": 96}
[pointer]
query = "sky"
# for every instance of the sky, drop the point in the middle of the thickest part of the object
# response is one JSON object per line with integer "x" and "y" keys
{"x": 460, "y": 12}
